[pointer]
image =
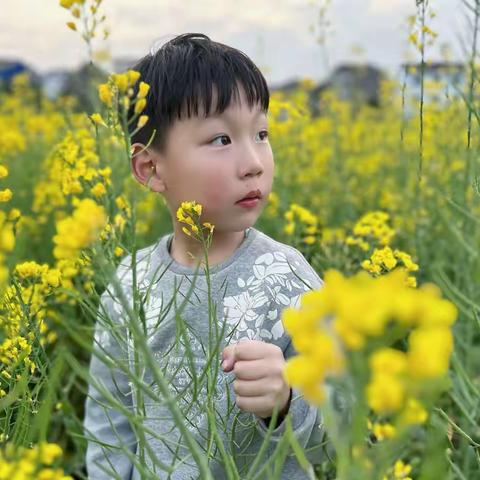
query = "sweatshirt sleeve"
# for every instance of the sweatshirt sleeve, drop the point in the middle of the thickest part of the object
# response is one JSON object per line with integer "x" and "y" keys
{"x": 108, "y": 431}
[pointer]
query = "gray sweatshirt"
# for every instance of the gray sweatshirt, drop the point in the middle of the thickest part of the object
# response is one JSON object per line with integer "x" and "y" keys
{"x": 249, "y": 290}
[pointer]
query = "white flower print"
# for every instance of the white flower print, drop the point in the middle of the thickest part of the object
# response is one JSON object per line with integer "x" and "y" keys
{"x": 241, "y": 308}
{"x": 271, "y": 283}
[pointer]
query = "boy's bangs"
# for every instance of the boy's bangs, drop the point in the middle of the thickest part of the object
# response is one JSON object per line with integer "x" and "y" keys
{"x": 210, "y": 91}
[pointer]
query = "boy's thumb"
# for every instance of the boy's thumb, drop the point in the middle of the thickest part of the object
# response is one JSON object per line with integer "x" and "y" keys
{"x": 228, "y": 357}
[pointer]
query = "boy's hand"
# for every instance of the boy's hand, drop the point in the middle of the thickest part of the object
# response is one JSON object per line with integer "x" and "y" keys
{"x": 259, "y": 384}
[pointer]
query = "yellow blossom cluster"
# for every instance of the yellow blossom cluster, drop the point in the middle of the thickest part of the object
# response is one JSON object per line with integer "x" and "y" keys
{"x": 421, "y": 35}
{"x": 385, "y": 259}
{"x": 381, "y": 430}
{"x": 80, "y": 230}
{"x": 326, "y": 327}
{"x": 5, "y": 194}
{"x": 113, "y": 231}
{"x": 34, "y": 272}
{"x": 189, "y": 213}
{"x": 36, "y": 463}
{"x": 373, "y": 226}
{"x": 7, "y": 243}
{"x": 27, "y": 121}
{"x": 399, "y": 471}
{"x": 333, "y": 235}
{"x": 120, "y": 90}
{"x": 372, "y": 231}
{"x": 74, "y": 270}
{"x": 388, "y": 388}
{"x": 12, "y": 139}
{"x": 273, "y": 204}
{"x": 25, "y": 307}
{"x": 301, "y": 222}
{"x": 71, "y": 169}
{"x": 85, "y": 17}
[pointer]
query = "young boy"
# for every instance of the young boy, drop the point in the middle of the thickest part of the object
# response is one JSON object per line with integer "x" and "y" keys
{"x": 207, "y": 108}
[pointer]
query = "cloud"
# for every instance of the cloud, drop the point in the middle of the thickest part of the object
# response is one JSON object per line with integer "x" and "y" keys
{"x": 391, "y": 6}
{"x": 274, "y": 33}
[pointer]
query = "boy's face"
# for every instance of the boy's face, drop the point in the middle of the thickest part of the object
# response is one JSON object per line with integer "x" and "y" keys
{"x": 217, "y": 161}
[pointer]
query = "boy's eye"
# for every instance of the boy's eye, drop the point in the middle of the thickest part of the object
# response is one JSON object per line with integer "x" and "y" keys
{"x": 224, "y": 140}
{"x": 263, "y": 135}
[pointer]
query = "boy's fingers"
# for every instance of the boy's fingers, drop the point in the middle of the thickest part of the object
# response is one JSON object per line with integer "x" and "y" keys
{"x": 253, "y": 350}
{"x": 246, "y": 350}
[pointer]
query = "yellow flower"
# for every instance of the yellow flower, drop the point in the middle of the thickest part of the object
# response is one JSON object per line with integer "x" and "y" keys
{"x": 80, "y": 230}
{"x": 209, "y": 226}
{"x": 309, "y": 240}
{"x": 142, "y": 120}
{"x": 119, "y": 222}
{"x": 140, "y": 105}
{"x": 118, "y": 252}
{"x": 383, "y": 431}
{"x": 3, "y": 171}
{"x": 71, "y": 26}
{"x": 5, "y": 195}
{"x": 31, "y": 270}
{"x": 133, "y": 77}
{"x": 66, "y": 3}
{"x": 14, "y": 214}
{"x": 384, "y": 258}
{"x": 385, "y": 394}
{"x": 7, "y": 238}
{"x": 414, "y": 413}
{"x": 187, "y": 209}
{"x": 97, "y": 118}
{"x": 388, "y": 361}
{"x": 299, "y": 371}
{"x": 49, "y": 452}
{"x": 98, "y": 190}
{"x": 429, "y": 352}
{"x": 53, "y": 277}
{"x": 143, "y": 90}
{"x": 121, "y": 81}
{"x": 105, "y": 94}
{"x": 122, "y": 203}
{"x": 406, "y": 259}
{"x": 401, "y": 470}
{"x": 289, "y": 228}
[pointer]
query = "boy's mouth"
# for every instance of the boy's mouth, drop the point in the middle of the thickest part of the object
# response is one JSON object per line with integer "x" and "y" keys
{"x": 251, "y": 195}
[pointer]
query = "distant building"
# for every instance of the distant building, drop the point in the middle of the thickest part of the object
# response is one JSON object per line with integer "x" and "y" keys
{"x": 54, "y": 83}
{"x": 82, "y": 84}
{"x": 10, "y": 68}
{"x": 442, "y": 82}
{"x": 358, "y": 84}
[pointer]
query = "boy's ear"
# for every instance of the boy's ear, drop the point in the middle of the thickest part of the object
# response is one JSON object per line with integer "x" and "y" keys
{"x": 144, "y": 163}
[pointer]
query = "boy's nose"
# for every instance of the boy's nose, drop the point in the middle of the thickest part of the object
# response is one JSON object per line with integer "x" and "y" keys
{"x": 251, "y": 164}
{"x": 254, "y": 171}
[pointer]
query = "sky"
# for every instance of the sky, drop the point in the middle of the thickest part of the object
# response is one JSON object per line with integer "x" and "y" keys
{"x": 276, "y": 34}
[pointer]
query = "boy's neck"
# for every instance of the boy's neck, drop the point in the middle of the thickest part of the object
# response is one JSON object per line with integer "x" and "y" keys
{"x": 223, "y": 246}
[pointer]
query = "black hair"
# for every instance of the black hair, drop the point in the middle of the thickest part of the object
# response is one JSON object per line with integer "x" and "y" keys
{"x": 182, "y": 75}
